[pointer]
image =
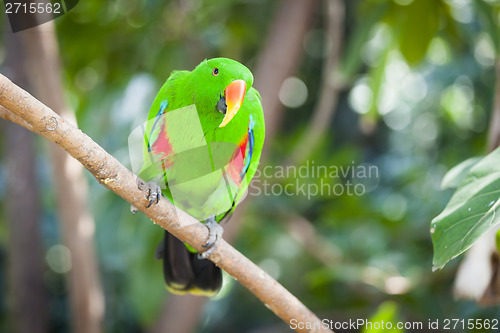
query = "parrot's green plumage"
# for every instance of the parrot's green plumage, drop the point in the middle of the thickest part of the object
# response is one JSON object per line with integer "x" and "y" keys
{"x": 203, "y": 142}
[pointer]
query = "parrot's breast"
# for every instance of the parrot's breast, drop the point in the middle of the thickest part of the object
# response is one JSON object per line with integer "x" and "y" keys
{"x": 203, "y": 172}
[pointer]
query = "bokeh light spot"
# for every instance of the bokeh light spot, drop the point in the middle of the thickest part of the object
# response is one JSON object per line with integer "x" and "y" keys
{"x": 293, "y": 92}
{"x": 58, "y": 258}
{"x": 361, "y": 97}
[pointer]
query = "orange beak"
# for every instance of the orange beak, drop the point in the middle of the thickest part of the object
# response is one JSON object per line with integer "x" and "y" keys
{"x": 234, "y": 93}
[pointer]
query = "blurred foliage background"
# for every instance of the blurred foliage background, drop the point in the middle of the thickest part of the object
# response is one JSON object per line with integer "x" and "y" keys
{"x": 415, "y": 85}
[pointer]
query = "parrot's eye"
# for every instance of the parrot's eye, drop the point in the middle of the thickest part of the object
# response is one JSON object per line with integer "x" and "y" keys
{"x": 215, "y": 72}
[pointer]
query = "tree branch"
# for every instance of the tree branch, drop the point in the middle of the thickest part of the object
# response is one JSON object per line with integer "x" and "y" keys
{"x": 113, "y": 175}
{"x": 7, "y": 115}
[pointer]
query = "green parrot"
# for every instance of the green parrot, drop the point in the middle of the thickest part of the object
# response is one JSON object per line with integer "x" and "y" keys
{"x": 202, "y": 146}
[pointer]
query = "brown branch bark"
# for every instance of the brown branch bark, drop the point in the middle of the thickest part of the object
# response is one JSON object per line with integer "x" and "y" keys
{"x": 77, "y": 224}
{"x": 330, "y": 88}
{"x": 113, "y": 175}
{"x": 7, "y": 115}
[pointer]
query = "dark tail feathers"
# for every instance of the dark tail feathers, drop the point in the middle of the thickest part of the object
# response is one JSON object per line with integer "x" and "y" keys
{"x": 185, "y": 273}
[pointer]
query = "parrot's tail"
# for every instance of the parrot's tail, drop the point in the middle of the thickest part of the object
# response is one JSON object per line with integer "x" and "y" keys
{"x": 185, "y": 273}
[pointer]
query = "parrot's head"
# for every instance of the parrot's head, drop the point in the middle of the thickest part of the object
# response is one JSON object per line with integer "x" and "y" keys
{"x": 221, "y": 83}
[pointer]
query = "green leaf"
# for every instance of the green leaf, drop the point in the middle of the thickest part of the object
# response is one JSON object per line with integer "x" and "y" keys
{"x": 419, "y": 27}
{"x": 473, "y": 210}
{"x": 456, "y": 175}
{"x": 387, "y": 312}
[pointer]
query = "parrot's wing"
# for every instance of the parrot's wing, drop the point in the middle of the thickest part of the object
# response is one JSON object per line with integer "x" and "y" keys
{"x": 151, "y": 166}
{"x": 255, "y": 141}
{"x": 242, "y": 167}
{"x": 153, "y": 132}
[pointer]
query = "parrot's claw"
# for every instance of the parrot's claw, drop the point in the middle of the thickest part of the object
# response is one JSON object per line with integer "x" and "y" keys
{"x": 133, "y": 209}
{"x": 153, "y": 191}
{"x": 215, "y": 232}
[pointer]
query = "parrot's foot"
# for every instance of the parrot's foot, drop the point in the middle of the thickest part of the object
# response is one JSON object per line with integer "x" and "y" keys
{"x": 215, "y": 232}
{"x": 153, "y": 191}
